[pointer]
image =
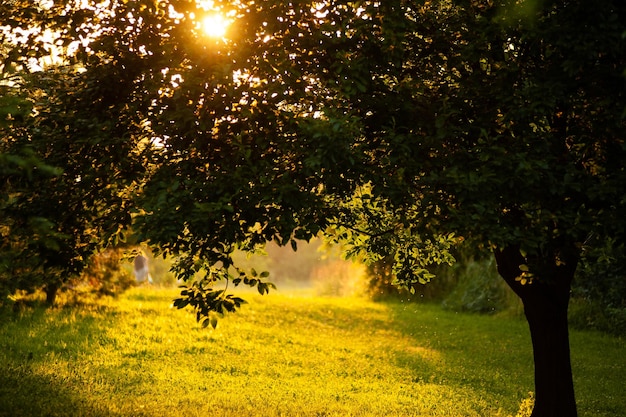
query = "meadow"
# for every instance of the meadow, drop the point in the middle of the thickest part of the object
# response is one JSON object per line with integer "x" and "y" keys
{"x": 285, "y": 354}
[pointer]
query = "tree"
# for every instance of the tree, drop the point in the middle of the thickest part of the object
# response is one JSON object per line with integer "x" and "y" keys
{"x": 513, "y": 141}
{"x": 86, "y": 204}
{"x": 20, "y": 168}
{"x": 17, "y": 271}
{"x": 402, "y": 127}
{"x": 72, "y": 195}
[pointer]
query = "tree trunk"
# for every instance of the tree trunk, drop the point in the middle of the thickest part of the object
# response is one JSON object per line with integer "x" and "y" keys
{"x": 51, "y": 293}
{"x": 545, "y": 306}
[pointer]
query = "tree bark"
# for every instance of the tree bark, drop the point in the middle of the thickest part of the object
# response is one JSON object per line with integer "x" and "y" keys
{"x": 51, "y": 293}
{"x": 545, "y": 306}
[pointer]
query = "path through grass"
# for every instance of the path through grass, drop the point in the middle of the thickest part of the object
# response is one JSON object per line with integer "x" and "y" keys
{"x": 284, "y": 355}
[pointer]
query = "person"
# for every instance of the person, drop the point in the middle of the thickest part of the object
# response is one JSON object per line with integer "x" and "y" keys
{"x": 140, "y": 269}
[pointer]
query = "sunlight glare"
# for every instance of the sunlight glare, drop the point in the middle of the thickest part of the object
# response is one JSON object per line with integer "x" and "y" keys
{"x": 215, "y": 26}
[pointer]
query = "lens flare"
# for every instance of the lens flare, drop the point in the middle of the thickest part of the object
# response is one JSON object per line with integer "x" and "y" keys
{"x": 215, "y": 26}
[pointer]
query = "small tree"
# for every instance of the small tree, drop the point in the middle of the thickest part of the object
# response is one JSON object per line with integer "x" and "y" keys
{"x": 76, "y": 167}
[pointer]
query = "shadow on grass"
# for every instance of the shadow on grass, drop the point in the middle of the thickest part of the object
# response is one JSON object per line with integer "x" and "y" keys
{"x": 493, "y": 356}
{"x": 486, "y": 357}
{"x": 35, "y": 338}
{"x": 25, "y": 394}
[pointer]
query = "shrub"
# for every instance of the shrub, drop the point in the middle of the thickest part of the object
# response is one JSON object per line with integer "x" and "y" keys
{"x": 599, "y": 290}
{"x": 472, "y": 285}
{"x": 104, "y": 275}
{"x": 479, "y": 288}
{"x": 380, "y": 283}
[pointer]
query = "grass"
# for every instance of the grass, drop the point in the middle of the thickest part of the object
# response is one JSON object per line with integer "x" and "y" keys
{"x": 285, "y": 355}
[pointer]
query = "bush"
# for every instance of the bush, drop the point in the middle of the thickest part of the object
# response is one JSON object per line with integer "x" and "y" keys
{"x": 105, "y": 275}
{"x": 592, "y": 315}
{"x": 599, "y": 290}
{"x": 479, "y": 288}
{"x": 471, "y": 285}
{"x": 380, "y": 283}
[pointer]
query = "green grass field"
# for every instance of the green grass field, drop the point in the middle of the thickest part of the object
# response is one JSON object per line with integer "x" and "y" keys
{"x": 285, "y": 355}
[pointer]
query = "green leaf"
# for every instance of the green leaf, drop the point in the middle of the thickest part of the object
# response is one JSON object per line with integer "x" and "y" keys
{"x": 181, "y": 303}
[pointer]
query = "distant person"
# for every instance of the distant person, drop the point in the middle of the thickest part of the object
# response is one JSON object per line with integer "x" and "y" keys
{"x": 140, "y": 269}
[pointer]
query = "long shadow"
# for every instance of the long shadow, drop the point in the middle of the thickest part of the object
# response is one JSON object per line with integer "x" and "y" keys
{"x": 484, "y": 362}
{"x": 31, "y": 339}
{"x": 25, "y": 394}
{"x": 489, "y": 356}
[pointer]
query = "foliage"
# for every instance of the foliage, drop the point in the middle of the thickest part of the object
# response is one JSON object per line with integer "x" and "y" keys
{"x": 105, "y": 275}
{"x": 472, "y": 284}
{"x": 499, "y": 124}
{"x": 20, "y": 169}
{"x": 207, "y": 302}
{"x": 479, "y": 288}
{"x": 17, "y": 269}
{"x": 380, "y": 279}
{"x": 370, "y": 229}
{"x": 76, "y": 198}
{"x": 600, "y": 289}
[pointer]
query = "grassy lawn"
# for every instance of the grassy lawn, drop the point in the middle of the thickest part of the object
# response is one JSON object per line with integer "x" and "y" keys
{"x": 285, "y": 355}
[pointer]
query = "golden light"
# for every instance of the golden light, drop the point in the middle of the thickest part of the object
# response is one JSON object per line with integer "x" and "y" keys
{"x": 215, "y": 25}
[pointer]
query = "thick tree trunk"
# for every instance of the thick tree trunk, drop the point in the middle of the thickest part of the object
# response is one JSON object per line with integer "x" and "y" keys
{"x": 545, "y": 306}
{"x": 554, "y": 387}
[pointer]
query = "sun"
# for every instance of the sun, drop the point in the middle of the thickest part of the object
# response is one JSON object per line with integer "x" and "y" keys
{"x": 215, "y": 25}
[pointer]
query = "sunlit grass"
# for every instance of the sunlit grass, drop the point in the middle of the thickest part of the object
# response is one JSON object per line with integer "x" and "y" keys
{"x": 283, "y": 355}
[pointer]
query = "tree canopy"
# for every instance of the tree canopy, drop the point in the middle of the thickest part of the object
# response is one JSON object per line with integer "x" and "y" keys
{"x": 400, "y": 127}
{"x": 490, "y": 122}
